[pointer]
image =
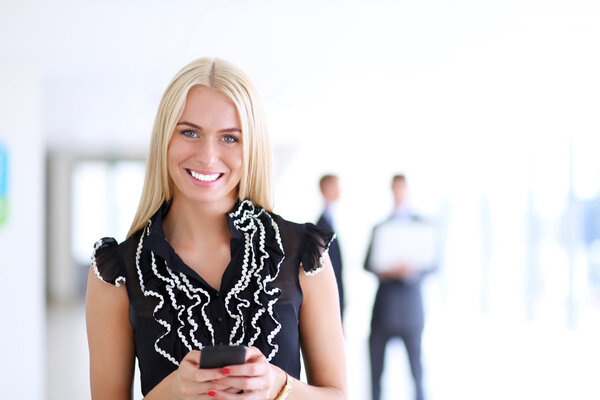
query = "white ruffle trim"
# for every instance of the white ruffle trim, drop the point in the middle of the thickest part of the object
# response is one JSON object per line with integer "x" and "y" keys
{"x": 250, "y": 269}
{"x": 161, "y": 299}
{"x": 273, "y": 291}
{"x": 321, "y": 259}
{"x": 95, "y": 266}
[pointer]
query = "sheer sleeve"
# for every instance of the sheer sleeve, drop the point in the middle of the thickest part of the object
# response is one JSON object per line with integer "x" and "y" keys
{"x": 106, "y": 263}
{"x": 316, "y": 242}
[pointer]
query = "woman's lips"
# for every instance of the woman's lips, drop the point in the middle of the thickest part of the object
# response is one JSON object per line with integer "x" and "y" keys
{"x": 205, "y": 177}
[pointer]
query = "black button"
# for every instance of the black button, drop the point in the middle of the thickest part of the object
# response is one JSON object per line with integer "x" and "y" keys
{"x": 219, "y": 319}
{"x": 217, "y": 295}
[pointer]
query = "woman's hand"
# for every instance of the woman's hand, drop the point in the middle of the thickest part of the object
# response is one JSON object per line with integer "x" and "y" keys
{"x": 257, "y": 379}
{"x": 189, "y": 381}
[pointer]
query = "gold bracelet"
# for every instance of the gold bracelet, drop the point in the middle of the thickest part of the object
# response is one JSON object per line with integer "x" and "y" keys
{"x": 285, "y": 390}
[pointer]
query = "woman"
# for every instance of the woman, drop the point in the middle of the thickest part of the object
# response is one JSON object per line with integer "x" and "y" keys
{"x": 206, "y": 262}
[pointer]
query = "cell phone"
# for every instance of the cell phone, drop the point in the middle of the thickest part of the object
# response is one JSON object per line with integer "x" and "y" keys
{"x": 220, "y": 356}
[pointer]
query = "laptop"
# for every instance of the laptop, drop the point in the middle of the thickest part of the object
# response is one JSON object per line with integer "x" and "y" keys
{"x": 412, "y": 243}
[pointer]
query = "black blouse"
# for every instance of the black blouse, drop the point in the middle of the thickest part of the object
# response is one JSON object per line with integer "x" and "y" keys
{"x": 173, "y": 310}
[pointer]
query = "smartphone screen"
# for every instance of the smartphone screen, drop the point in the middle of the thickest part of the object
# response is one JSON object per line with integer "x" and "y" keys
{"x": 221, "y": 356}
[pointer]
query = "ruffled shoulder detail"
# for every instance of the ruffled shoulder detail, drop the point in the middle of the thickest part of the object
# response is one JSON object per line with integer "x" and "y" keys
{"x": 106, "y": 263}
{"x": 316, "y": 242}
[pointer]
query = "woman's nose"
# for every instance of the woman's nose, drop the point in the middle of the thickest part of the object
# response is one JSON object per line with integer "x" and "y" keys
{"x": 207, "y": 152}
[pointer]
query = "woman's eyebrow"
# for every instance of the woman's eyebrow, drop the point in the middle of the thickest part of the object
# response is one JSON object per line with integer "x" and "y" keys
{"x": 189, "y": 124}
{"x": 227, "y": 130}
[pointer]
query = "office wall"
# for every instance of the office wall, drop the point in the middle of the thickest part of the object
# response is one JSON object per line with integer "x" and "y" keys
{"x": 22, "y": 235}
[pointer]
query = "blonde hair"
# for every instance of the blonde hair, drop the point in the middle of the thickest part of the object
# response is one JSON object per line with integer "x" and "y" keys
{"x": 235, "y": 85}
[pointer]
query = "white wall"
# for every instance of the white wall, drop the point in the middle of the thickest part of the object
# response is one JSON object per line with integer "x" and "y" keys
{"x": 22, "y": 303}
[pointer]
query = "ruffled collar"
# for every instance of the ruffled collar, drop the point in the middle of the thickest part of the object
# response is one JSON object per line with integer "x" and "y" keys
{"x": 247, "y": 285}
{"x": 240, "y": 220}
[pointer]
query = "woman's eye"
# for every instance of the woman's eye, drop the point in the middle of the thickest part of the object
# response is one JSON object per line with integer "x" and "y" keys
{"x": 189, "y": 133}
{"x": 230, "y": 139}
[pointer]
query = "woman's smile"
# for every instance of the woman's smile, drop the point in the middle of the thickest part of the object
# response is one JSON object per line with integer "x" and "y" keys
{"x": 205, "y": 177}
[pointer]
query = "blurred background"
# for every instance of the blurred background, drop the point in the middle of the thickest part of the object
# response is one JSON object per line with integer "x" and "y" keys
{"x": 489, "y": 107}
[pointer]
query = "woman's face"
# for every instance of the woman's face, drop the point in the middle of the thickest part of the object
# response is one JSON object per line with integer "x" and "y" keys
{"x": 205, "y": 153}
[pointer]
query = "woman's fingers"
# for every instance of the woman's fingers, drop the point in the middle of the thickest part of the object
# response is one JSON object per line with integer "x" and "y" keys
{"x": 248, "y": 369}
{"x": 227, "y": 395}
{"x": 256, "y": 377}
{"x": 194, "y": 382}
{"x": 190, "y": 367}
{"x": 192, "y": 357}
{"x": 245, "y": 383}
{"x": 195, "y": 374}
{"x": 253, "y": 353}
{"x": 252, "y": 380}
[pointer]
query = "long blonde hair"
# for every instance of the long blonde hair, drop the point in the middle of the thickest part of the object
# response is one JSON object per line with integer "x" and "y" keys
{"x": 235, "y": 85}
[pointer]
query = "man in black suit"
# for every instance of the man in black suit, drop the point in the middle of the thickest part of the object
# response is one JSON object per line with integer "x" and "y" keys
{"x": 330, "y": 189}
{"x": 398, "y": 306}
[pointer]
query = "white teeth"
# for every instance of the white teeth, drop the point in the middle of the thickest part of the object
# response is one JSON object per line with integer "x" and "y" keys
{"x": 204, "y": 178}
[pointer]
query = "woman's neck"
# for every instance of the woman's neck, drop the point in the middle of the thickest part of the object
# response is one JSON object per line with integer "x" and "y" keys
{"x": 188, "y": 223}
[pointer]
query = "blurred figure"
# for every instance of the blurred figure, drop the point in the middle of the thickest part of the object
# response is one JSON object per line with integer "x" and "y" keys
{"x": 330, "y": 189}
{"x": 398, "y": 306}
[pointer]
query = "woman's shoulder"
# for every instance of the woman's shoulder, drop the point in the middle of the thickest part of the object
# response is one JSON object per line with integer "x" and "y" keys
{"x": 108, "y": 258}
{"x": 311, "y": 240}
{"x": 300, "y": 229}
{"x": 292, "y": 232}
{"x": 109, "y": 246}
{"x": 286, "y": 224}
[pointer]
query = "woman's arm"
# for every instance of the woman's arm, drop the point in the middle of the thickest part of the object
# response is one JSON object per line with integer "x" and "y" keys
{"x": 110, "y": 340}
{"x": 322, "y": 338}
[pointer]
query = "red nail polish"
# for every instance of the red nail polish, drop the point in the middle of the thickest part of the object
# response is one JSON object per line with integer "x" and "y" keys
{"x": 212, "y": 394}
{"x": 225, "y": 371}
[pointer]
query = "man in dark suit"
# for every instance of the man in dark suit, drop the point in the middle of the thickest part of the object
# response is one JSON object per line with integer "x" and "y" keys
{"x": 398, "y": 306}
{"x": 330, "y": 189}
